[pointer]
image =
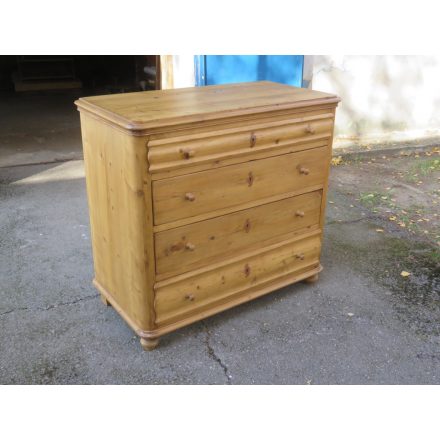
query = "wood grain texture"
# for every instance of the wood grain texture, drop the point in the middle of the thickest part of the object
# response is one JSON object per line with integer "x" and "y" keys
{"x": 193, "y": 293}
{"x": 120, "y": 217}
{"x": 185, "y": 151}
{"x": 239, "y": 157}
{"x": 202, "y": 199}
{"x": 228, "y": 303}
{"x": 230, "y": 186}
{"x": 181, "y": 249}
{"x": 230, "y": 209}
{"x": 142, "y": 110}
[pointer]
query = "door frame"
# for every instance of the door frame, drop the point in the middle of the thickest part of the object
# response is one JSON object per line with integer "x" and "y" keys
{"x": 200, "y": 70}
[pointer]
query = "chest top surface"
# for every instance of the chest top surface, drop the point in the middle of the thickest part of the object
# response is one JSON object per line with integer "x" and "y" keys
{"x": 144, "y": 110}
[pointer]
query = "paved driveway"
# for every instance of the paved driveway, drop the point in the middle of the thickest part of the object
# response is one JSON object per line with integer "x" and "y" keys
{"x": 362, "y": 323}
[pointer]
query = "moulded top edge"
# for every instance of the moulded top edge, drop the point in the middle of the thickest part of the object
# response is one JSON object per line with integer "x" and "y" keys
{"x": 152, "y": 109}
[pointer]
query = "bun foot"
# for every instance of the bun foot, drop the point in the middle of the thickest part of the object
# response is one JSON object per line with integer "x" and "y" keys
{"x": 149, "y": 344}
{"x": 312, "y": 279}
{"x": 104, "y": 300}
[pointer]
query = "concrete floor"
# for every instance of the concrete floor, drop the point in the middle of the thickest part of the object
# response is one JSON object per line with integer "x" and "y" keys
{"x": 38, "y": 128}
{"x": 362, "y": 323}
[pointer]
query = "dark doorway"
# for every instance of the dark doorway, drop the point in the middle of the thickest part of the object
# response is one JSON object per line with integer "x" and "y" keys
{"x": 38, "y": 120}
{"x": 104, "y": 73}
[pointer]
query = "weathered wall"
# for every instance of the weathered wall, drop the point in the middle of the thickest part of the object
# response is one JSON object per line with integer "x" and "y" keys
{"x": 384, "y": 98}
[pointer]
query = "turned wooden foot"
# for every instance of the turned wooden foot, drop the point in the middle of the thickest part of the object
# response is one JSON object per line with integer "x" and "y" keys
{"x": 104, "y": 300}
{"x": 312, "y": 279}
{"x": 149, "y": 344}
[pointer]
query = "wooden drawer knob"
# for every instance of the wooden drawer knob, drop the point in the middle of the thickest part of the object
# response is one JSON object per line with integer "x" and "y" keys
{"x": 299, "y": 213}
{"x": 189, "y": 247}
{"x": 190, "y": 196}
{"x": 299, "y": 256}
{"x": 310, "y": 130}
{"x": 189, "y": 297}
{"x": 253, "y": 139}
{"x": 187, "y": 153}
{"x": 250, "y": 179}
{"x": 303, "y": 170}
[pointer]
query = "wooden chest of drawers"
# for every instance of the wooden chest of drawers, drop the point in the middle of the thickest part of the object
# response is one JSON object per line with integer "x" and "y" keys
{"x": 204, "y": 198}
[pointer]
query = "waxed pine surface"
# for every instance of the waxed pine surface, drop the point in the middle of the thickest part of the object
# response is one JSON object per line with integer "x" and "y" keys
{"x": 127, "y": 207}
{"x": 141, "y": 108}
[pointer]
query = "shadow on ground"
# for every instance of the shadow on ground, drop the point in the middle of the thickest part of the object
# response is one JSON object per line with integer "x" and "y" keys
{"x": 362, "y": 323}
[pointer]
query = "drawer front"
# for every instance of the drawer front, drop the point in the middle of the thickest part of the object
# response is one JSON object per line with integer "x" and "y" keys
{"x": 192, "y": 294}
{"x": 189, "y": 247}
{"x": 207, "y": 191}
{"x": 173, "y": 153}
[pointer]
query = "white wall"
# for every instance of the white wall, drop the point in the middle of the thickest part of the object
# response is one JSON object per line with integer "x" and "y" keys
{"x": 183, "y": 68}
{"x": 384, "y": 98}
{"x": 177, "y": 71}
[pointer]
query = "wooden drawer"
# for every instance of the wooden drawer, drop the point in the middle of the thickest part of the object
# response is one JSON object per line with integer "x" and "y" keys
{"x": 189, "y": 150}
{"x": 197, "y": 196}
{"x": 189, "y": 247}
{"x": 206, "y": 192}
{"x": 191, "y": 293}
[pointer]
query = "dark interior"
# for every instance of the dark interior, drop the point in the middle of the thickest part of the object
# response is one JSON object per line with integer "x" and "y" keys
{"x": 39, "y": 122}
{"x": 91, "y": 73}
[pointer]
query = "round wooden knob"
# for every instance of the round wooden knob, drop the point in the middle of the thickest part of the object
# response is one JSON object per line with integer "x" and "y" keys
{"x": 190, "y": 196}
{"x": 299, "y": 256}
{"x": 299, "y": 213}
{"x": 303, "y": 170}
{"x": 189, "y": 297}
{"x": 310, "y": 130}
{"x": 187, "y": 153}
{"x": 253, "y": 139}
{"x": 189, "y": 247}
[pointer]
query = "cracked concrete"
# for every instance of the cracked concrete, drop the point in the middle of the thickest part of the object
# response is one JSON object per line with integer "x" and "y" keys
{"x": 212, "y": 354}
{"x": 356, "y": 325}
{"x": 361, "y": 323}
{"x": 50, "y": 307}
{"x": 347, "y": 222}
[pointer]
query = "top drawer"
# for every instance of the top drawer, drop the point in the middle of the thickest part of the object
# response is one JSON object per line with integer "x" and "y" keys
{"x": 176, "y": 152}
{"x": 228, "y": 187}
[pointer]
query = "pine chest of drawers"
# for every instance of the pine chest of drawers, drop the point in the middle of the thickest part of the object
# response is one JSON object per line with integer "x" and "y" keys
{"x": 204, "y": 198}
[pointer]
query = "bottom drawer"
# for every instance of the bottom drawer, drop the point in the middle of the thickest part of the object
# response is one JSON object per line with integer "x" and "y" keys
{"x": 191, "y": 293}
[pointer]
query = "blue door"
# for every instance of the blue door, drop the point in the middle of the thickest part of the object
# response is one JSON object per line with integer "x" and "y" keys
{"x": 224, "y": 69}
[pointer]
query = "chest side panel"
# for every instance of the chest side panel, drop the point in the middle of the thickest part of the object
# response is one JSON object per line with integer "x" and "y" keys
{"x": 119, "y": 199}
